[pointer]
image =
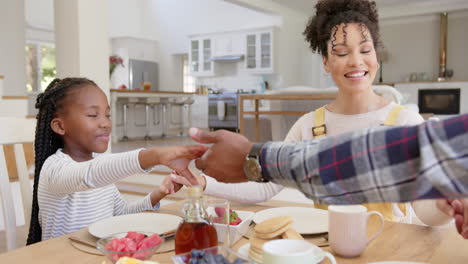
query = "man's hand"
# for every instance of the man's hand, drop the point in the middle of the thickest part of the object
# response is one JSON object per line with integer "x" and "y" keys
{"x": 224, "y": 160}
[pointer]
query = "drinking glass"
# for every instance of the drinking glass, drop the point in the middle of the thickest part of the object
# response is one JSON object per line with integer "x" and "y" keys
{"x": 218, "y": 214}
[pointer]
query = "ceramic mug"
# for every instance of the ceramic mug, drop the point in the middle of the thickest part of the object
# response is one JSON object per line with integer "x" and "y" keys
{"x": 347, "y": 229}
{"x": 293, "y": 251}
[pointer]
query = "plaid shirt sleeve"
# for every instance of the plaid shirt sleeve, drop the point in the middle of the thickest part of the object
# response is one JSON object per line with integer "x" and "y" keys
{"x": 397, "y": 164}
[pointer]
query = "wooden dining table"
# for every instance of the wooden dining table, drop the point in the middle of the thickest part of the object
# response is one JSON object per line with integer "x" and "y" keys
{"x": 398, "y": 242}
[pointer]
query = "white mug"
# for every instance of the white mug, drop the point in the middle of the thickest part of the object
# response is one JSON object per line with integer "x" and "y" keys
{"x": 347, "y": 229}
{"x": 293, "y": 251}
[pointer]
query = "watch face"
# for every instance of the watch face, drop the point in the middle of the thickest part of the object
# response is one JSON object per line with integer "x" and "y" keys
{"x": 252, "y": 169}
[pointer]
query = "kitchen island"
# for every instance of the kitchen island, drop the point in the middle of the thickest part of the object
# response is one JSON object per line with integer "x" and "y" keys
{"x": 153, "y": 113}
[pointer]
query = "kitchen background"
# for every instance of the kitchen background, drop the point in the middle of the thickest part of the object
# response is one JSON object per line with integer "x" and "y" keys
{"x": 229, "y": 47}
{"x": 160, "y": 31}
{"x": 210, "y": 45}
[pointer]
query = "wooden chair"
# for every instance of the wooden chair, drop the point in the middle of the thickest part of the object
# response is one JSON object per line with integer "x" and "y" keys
{"x": 14, "y": 134}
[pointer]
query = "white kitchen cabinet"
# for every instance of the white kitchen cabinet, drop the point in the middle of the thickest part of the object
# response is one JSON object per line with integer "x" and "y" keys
{"x": 260, "y": 51}
{"x": 200, "y": 57}
{"x": 229, "y": 45}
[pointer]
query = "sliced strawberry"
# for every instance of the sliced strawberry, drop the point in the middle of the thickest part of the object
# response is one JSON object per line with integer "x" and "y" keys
{"x": 236, "y": 222}
{"x": 220, "y": 211}
{"x": 233, "y": 216}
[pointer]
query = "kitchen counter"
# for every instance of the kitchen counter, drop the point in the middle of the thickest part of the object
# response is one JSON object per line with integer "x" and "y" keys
{"x": 136, "y": 118}
{"x": 149, "y": 92}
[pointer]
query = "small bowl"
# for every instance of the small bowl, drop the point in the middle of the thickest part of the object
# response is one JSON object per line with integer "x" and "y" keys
{"x": 229, "y": 254}
{"x": 114, "y": 256}
{"x": 235, "y": 231}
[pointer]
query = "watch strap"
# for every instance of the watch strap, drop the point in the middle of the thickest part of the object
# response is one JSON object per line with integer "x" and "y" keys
{"x": 255, "y": 150}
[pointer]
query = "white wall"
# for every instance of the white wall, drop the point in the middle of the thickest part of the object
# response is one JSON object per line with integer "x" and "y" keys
{"x": 82, "y": 42}
{"x": 12, "y": 42}
{"x": 170, "y": 26}
{"x": 39, "y": 16}
{"x": 126, "y": 18}
{"x": 413, "y": 45}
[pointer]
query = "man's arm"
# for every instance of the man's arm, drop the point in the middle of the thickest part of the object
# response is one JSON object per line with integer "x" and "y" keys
{"x": 376, "y": 165}
{"x": 395, "y": 164}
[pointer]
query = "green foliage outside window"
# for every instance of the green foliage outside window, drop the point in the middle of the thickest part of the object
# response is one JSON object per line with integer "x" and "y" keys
{"x": 40, "y": 66}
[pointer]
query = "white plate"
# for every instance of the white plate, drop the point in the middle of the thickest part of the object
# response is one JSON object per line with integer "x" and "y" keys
{"x": 146, "y": 222}
{"x": 307, "y": 220}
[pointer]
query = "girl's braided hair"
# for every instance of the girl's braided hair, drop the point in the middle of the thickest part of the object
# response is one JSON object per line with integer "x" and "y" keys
{"x": 332, "y": 13}
{"x": 46, "y": 141}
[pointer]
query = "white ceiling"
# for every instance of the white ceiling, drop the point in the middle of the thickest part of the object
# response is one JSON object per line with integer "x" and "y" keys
{"x": 389, "y": 8}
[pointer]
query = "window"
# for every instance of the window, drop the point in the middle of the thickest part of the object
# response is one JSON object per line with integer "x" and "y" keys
{"x": 40, "y": 66}
{"x": 188, "y": 80}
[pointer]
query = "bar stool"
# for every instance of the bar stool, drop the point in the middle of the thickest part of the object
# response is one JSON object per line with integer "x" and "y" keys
{"x": 164, "y": 102}
{"x": 151, "y": 102}
{"x": 125, "y": 104}
{"x": 184, "y": 103}
{"x": 186, "y": 107}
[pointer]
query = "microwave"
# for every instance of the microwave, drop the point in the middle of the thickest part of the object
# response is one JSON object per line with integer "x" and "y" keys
{"x": 439, "y": 101}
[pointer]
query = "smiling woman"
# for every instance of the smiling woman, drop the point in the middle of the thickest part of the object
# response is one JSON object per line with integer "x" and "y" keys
{"x": 346, "y": 34}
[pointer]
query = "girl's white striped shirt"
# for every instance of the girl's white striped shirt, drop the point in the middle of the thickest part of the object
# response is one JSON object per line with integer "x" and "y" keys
{"x": 73, "y": 195}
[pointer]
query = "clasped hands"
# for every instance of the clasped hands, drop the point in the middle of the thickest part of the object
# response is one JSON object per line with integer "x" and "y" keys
{"x": 224, "y": 161}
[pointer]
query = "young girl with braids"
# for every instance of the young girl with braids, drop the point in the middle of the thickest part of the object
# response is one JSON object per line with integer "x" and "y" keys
{"x": 346, "y": 34}
{"x": 73, "y": 187}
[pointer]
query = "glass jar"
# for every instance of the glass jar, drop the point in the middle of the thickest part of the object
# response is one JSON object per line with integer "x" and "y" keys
{"x": 195, "y": 231}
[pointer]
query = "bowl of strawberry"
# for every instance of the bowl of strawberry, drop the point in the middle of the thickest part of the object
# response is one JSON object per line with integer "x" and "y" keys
{"x": 139, "y": 245}
{"x": 239, "y": 222}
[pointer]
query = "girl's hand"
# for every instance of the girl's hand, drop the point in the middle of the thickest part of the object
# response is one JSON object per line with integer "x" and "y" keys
{"x": 169, "y": 186}
{"x": 201, "y": 181}
{"x": 446, "y": 207}
{"x": 177, "y": 158}
{"x": 458, "y": 209}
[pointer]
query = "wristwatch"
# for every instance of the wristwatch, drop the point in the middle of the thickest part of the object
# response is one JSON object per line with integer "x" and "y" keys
{"x": 252, "y": 167}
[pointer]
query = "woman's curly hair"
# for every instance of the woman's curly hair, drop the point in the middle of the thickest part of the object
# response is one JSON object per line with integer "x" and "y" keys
{"x": 332, "y": 13}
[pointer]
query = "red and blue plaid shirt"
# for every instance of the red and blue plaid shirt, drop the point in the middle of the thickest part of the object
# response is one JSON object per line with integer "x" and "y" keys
{"x": 382, "y": 164}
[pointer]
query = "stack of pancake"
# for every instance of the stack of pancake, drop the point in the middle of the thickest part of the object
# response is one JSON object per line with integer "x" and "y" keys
{"x": 273, "y": 228}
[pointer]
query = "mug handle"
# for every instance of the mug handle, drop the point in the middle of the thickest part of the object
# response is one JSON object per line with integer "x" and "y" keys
{"x": 329, "y": 256}
{"x": 381, "y": 226}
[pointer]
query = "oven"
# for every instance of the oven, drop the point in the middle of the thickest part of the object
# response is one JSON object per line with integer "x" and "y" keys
{"x": 439, "y": 101}
{"x": 223, "y": 111}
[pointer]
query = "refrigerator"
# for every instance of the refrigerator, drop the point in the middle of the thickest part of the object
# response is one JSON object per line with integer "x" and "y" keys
{"x": 143, "y": 73}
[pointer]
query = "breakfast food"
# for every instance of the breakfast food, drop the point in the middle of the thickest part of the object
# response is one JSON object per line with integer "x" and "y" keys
{"x": 202, "y": 257}
{"x": 273, "y": 228}
{"x": 273, "y": 224}
{"x": 127, "y": 260}
{"x": 275, "y": 234}
{"x": 255, "y": 256}
{"x": 234, "y": 219}
{"x": 291, "y": 233}
{"x": 256, "y": 244}
{"x": 133, "y": 241}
